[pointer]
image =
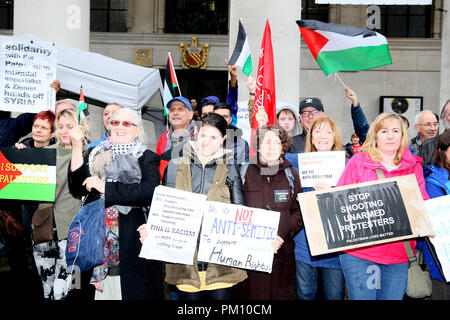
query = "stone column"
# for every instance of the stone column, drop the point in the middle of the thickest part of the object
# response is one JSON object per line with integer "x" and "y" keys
{"x": 285, "y": 42}
{"x": 445, "y": 55}
{"x": 64, "y": 21}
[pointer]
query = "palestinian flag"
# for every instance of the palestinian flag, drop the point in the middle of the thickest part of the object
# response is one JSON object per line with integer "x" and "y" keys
{"x": 28, "y": 174}
{"x": 241, "y": 56}
{"x": 343, "y": 48}
{"x": 82, "y": 108}
{"x": 171, "y": 87}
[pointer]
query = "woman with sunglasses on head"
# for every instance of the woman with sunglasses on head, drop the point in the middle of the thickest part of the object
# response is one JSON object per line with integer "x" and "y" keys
{"x": 124, "y": 172}
{"x": 437, "y": 184}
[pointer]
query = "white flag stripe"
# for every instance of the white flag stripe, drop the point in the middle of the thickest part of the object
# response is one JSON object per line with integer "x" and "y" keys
{"x": 34, "y": 171}
{"x": 339, "y": 41}
{"x": 244, "y": 54}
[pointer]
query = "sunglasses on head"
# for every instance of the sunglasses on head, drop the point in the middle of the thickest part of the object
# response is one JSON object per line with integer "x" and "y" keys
{"x": 126, "y": 124}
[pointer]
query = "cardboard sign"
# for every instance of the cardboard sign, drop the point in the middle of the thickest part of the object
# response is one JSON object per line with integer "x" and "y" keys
{"x": 364, "y": 214}
{"x": 28, "y": 174}
{"x": 27, "y": 69}
{"x": 238, "y": 236}
{"x": 438, "y": 210}
{"x": 173, "y": 225}
{"x": 324, "y": 166}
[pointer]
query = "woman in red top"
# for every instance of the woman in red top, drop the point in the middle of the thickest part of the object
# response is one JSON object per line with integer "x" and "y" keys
{"x": 380, "y": 272}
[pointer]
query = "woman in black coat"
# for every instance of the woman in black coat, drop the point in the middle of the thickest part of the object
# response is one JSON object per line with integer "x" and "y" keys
{"x": 124, "y": 172}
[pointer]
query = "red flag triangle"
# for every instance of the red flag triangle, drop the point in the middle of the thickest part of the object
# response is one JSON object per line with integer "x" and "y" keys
{"x": 8, "y": 172}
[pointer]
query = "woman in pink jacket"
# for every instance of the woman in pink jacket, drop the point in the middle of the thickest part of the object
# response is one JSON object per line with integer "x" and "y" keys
{"x": 380, "y": 272}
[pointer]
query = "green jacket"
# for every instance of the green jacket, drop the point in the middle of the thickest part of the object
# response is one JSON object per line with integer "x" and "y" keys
{"x": 219, "y": 191}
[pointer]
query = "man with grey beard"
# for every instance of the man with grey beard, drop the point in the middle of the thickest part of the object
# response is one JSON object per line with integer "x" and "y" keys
{"x": 429, "y": 146}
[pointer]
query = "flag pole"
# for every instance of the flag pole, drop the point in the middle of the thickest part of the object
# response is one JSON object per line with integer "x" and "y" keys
{"x": 175, "y": 75}
{"x": 340, "y": 80}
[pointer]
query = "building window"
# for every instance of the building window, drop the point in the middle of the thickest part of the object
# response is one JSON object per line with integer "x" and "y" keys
{"x": 6, "y": 14}
{"x": 313, "y": 11}
{"x": 406, "y": 21}
{"x": 196, "y": 16}
{"x": 109, "y": 15}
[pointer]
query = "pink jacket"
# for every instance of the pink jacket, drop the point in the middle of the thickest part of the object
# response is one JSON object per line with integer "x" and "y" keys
{"x": 361, "y": 168}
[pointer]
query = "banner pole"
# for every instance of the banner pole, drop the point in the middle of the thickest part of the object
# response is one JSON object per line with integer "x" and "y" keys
{"x": 340, "y": 80}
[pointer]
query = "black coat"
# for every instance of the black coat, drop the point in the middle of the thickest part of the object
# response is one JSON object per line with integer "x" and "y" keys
{"x": 140, "y": 278}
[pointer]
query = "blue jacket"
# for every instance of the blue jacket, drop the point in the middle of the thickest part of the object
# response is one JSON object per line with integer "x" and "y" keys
{"x": 12, "y": 129}
{"x": 437, "y": 185}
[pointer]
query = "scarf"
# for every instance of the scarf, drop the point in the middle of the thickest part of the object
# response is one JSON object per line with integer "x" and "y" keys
{"x": 114, "y": 163}
{"x": 179, "y": 137}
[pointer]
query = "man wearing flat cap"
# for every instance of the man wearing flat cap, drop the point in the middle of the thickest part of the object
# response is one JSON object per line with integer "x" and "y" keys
{"x": 311, "y": 109}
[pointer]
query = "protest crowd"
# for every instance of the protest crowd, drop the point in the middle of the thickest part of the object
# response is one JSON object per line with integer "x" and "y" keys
{"x": 204, "y": 152}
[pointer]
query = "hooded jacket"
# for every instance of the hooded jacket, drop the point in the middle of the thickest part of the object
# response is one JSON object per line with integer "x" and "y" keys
{"x": 297, "y": 128}
{"x": 361, "y": 168}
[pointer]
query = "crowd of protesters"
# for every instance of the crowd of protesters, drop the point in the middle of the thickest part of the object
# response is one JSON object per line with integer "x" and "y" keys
{"x": 204, "y": 152}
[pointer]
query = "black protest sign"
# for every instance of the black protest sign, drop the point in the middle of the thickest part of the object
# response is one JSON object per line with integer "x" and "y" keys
{"x": 363, "y": 214}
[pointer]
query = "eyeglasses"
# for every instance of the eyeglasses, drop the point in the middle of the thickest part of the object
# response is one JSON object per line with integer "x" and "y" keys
{"x": 308, "y": 113}
{"x": 126, "y": 124}
{"x": 429, "y": 124}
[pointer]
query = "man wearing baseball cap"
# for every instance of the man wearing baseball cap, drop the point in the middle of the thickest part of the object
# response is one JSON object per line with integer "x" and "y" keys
{"x": 182, "y": 129}
{"x": 311, "y": 109}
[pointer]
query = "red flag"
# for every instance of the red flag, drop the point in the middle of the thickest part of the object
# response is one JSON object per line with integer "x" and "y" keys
{"x": 265, "y": 84}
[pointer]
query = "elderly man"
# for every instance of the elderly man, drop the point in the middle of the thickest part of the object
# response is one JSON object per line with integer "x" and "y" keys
{"x": 312, "y": 109}
{"x": 182, "y": 129}
{"x": 107, "y": 113}
{"x": 427, "y": 127}
{"x": 429, "y": 146}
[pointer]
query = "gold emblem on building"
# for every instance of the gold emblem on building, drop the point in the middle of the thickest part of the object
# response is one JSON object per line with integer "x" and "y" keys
{"x": 194, "y": 55}
{"x": 143, "y": 57}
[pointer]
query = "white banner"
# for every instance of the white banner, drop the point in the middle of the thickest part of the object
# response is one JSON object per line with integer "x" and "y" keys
{"x": 323, "y": 166}
{"x": 371, "y": 2}
{"x": 238, "y": 236}
{"x": 173, "y": 225}
{"x": 438, "y": 210}
{"x": 27, "y": 68}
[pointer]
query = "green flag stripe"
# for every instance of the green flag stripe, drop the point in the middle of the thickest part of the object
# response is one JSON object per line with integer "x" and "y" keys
{"x": 354, "y": 59}
{"x": 29, "y": 191}
{"x": 247, "y": 68}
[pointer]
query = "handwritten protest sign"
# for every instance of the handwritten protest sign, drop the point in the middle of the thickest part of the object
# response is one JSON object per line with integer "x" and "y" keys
{"x": 363, "y": 214}
{"x": 438, "y": 210}
{"x": 325, "y": 166}
{"x": 27, "y": 69}
{"x": 28, "y": 174}
{"x": 173, "y": 224}
{"x": 238, "y": 236}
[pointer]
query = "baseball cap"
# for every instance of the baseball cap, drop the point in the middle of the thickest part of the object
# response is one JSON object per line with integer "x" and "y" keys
{"x": 311, "y": 102}
{"x": 213, "y": 99}
{"x": 183, "y": 100}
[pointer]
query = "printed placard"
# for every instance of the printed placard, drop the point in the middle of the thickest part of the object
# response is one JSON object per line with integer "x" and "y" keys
{"x": 364, "y": 214}
{"x": 324, "y": 166}
{"x": 28, "y": 174}
{"x": 238, "y": 236}
{"x": 27, "y": 69}
{"x": 173, "y": 225}
{"x": 438, "y": 210}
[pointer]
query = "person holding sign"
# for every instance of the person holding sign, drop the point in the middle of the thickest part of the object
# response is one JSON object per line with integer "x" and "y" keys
{"x": 124, "y": 172}
{"x": 271, "y": 183}
{"x": 206, "y": 168}
{"x": 380, "y": 272}
{"x": 49, "y": 256}
{"x": 437, "y": 183}
{"x": 323, "y": 136}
